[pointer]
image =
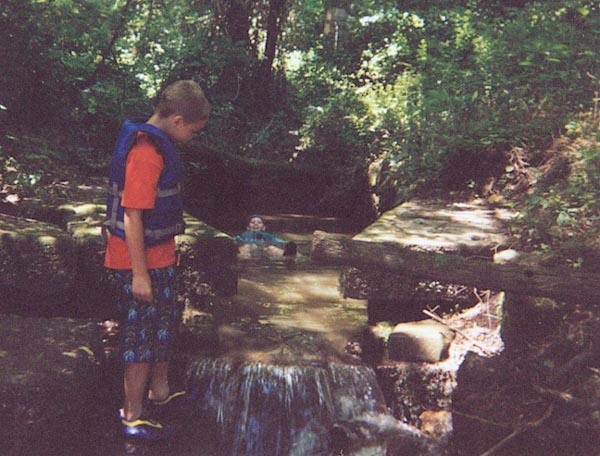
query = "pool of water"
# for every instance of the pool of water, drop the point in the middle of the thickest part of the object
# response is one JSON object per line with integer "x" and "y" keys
{"x": 289, "y": 322}
{"x": 301, "y": 301}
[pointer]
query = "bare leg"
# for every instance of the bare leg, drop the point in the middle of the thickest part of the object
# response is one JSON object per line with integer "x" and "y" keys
{"x": 135, "y": 380}
{"x": 159, "y": 381}
{"x": 274, "y": 251}
{"x": 248, "y": 251}
{"x": 245, "y": 251}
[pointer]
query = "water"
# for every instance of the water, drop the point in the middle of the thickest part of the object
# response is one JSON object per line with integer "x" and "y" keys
{"x": 284, "y": 382}
{"x": 262, "y": 409}
{"x": 281, "y": 381}
{"x": 283, "y": 378}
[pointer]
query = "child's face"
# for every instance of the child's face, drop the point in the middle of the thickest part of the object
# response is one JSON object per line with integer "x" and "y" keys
{"x": 183, "y": 131}
{"x": 256, "y": 224}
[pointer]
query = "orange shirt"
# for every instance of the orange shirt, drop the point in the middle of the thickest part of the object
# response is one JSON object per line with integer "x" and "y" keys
{"x": 142, "y": 171}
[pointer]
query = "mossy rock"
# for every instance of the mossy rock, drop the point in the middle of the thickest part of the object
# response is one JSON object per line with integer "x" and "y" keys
{"x": 61, "y": 260}
{"x": 36, "y": 258}
{"x": 207, "y": 257}
{"x": 206, "y": 254}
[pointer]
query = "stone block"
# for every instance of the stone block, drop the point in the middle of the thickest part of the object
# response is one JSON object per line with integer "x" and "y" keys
{"x": 467, "y": 228}
{"x": 56, "y": 267}
{"x": 421, "y": 341}
{"x": 208, "y": 256}
{"x": 37, "y": 259}
{"x": 412, "y": 388}
{"x": 527, "y": 318}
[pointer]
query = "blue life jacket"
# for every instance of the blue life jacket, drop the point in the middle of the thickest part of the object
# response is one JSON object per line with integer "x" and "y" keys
{"x": 258, "y": 238}
{"x": 166, "y": 219}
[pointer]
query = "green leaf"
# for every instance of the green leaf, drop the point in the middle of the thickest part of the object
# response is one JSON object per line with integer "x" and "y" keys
{"x": 563, "y": 219}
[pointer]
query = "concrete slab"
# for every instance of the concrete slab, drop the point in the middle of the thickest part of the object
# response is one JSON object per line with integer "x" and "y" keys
{"x": 462, "y": 228}
{"x": 469, "y": 228}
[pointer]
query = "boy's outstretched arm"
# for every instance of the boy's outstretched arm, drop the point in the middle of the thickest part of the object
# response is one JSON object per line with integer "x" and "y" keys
{"x": 134, "y": 235}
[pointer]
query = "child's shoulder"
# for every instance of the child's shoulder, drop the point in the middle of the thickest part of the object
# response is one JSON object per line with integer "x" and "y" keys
{"x": 145, "y": 150}
{"x": 143, "y": 138}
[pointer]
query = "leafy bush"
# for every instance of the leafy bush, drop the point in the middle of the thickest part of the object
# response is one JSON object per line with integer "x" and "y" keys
{"x": 438, "y": 92}
{"x": 441, "y": 93}
{"x": 562, "y": 212}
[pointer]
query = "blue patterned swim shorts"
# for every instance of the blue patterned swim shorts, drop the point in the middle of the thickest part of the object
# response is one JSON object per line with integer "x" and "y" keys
{"x": 147, "y": 329}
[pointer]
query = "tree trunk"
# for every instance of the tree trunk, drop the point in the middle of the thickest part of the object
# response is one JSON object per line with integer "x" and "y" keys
{"x": 264, "y": 90}
{"x": 273, "y": 28}
{"x": 534, "y": 280}
{"x": 336, "y": 26}
{"x": 235, "y": 19}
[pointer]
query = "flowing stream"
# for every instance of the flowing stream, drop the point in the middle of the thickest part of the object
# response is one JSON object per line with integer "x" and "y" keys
{"x": 283, "y": 381}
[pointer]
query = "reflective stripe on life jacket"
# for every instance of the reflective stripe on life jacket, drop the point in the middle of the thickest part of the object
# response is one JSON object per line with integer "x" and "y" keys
{"x": 165, "y": 220}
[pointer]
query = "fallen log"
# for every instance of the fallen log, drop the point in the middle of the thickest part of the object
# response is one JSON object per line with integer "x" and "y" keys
{"x": 559, "y": 283}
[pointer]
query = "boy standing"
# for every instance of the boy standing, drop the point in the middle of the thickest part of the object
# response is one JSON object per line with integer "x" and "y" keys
{"x": 144, "y": 211}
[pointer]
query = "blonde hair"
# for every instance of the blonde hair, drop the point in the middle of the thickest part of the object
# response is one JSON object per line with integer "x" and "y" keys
{"x": 185, "y": 98}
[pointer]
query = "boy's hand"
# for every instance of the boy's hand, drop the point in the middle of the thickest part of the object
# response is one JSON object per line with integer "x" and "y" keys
{"x": 141, "y": 287}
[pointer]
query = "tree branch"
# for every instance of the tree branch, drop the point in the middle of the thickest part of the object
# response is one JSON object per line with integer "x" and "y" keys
{"x": 520, "y": 430}
{"x": 568, "y": 399}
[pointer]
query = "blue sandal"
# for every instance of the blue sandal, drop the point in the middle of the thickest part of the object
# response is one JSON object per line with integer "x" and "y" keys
{"x": 145, "y": 429}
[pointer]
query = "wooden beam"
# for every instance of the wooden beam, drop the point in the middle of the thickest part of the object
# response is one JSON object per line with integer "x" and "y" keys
{"x": 558, "y": 283}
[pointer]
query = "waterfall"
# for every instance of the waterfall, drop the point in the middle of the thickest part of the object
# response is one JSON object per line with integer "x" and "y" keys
{"x": 294, "y": 410}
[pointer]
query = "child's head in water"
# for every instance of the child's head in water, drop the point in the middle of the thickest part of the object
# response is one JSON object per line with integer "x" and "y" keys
{"x": 256, "y": 223}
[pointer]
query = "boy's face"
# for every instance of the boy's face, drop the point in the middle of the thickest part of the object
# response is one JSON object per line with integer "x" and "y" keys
{"x": 256, "y": 224}
{"x": 182, "y": 131}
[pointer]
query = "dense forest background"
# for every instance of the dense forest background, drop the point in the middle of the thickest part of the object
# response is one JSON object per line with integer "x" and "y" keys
{"x": 491, "y": 98}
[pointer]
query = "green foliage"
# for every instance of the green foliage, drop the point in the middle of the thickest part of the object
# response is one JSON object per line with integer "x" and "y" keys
{"x": 28, "y": 167}
{"x": 437, "y": 90}
{"x": 562, "y": 213}
{"x": 442, "y": 91}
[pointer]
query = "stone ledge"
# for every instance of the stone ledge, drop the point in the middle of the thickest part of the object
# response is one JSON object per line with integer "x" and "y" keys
{"x": 35, "y": 257}
{"x": 57, "y": 267}
{"x": 468, "y": 228}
